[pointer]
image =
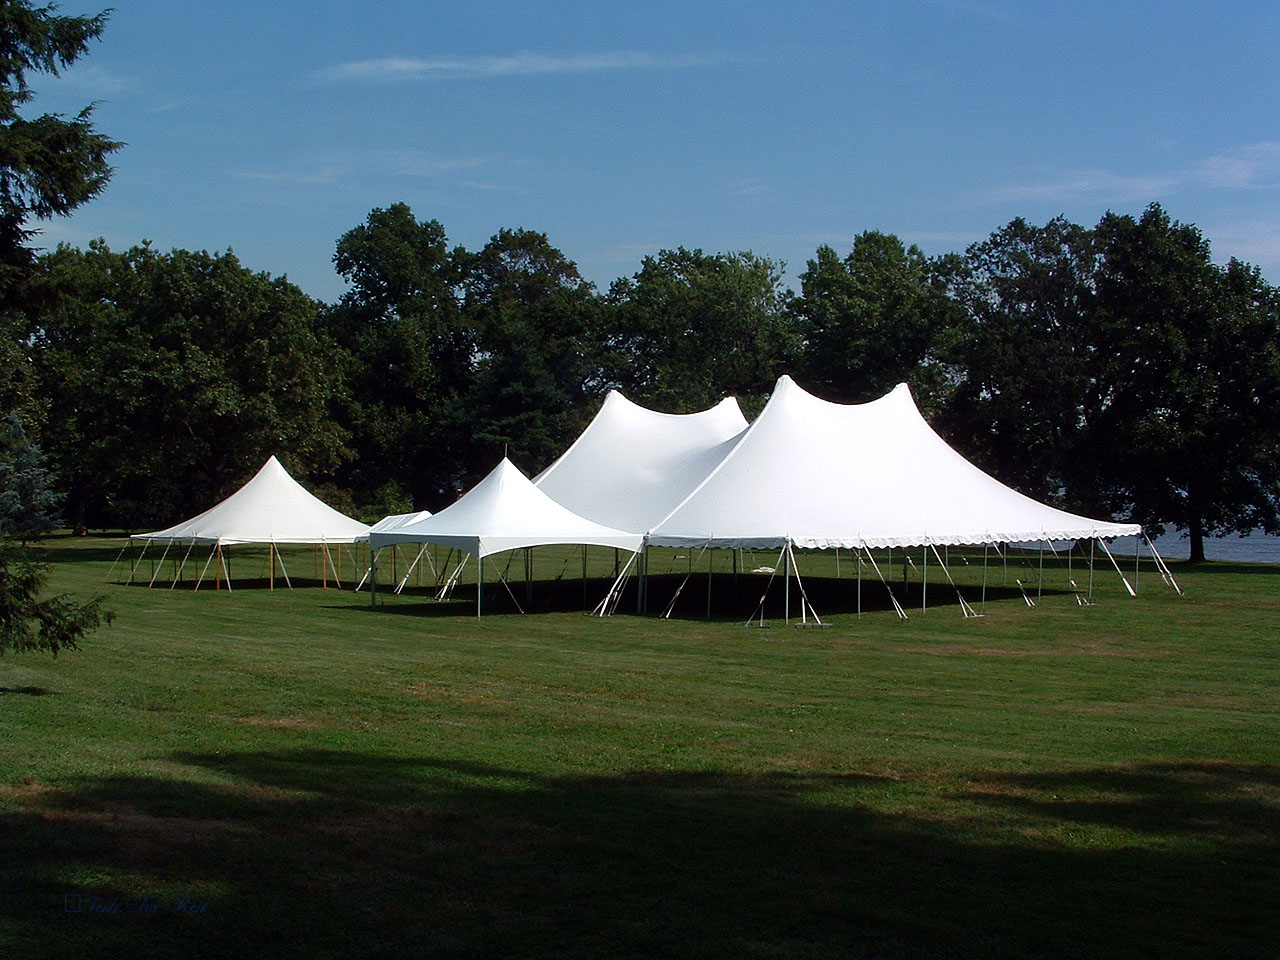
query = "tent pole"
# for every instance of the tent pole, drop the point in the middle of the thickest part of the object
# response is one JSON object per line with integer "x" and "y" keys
{"x": 584, "y": 576}
{"x": 138, "y": 559}
{"x": 837, "y": 563}
{"x": 1137, "y": 550}
{"x": 1040, "y": 575}
{"x": 226, "y": 567}
{"x": 902, "y": 614}
{"x": 1092, "y": 540}
{"x": 408, "y": 572}
{"x": 710, "y": 554}
{"x": 206, "y": 568}
{"x": 859, "y": 584}
{"x": 984, "y": 577}
{"x": 117, "y": 560}
{"x": 786, "y": 605}
{"x": 373, "y": 576}
{"x": 1162, "y": 566}
{"x": 217, "y": 570}
{"x": 271, "y": 566}
{"x": 162, "y": 556}
{"x": 479, "y": 582}
{"x": 178, "y": 576}
{"x": 924, "y": 579}
{"x": 528, "y": 575}
{"x": 337, "y": 581}
{"x": 1132, "y": 593}
{"x": 283, "y": 569}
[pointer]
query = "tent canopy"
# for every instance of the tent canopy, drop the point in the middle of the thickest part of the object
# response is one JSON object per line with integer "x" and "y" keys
{"x": 505, "y": 511}
{"x": 632, "y": 466}
{"x": 394, "y": 521}
{"x": 819, "y": 475}
{"x": 270, "y": 508}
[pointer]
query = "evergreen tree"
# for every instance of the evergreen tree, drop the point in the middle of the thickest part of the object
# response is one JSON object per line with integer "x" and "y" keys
{"x": 28, "y": 502}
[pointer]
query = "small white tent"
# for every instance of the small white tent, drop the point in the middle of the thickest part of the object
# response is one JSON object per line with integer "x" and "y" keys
{"x": 505, "y": 511}
{"x": 632, "y": 466}
{"x": 272, "y": 508}
{"x": 394, "y": 521}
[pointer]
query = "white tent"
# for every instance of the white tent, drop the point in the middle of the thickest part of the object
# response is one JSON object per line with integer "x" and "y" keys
{"x": 505, "y": 511}
{"x": 632, "y": 466}
{"x": 394, "y": 521}
{"x": 502, "y": 512}
{"x": 272, "y": 508}
{"x": 814, "y": 474}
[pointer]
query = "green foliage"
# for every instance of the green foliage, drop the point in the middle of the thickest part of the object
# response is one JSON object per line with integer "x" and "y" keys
{"x": 536, "y": 323}
{"x": 51, "y": 164}
{"x": 172, "y": 377}
{"x": 1195, "y": 438}
{"x": 28, "y": 502}
{"x": 873, "y": 320}
{"x": 31, "y": 624}
{"x": 410, "y": 352}
{"x": 691, "y": 328}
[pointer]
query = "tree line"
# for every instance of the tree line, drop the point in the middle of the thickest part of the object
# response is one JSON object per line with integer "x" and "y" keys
{"x": 1114, "y": 370}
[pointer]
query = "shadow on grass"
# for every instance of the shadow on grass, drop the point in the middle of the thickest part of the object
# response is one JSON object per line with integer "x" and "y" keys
{"x": 333, "y": 854}
{"x": 28, "y": 691}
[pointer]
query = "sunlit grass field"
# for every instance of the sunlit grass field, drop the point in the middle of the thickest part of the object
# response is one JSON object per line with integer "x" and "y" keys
{"x": 298, "y": 773}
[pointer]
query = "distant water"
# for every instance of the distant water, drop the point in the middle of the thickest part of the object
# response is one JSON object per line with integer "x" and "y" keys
{"x": 1256, "y": 547}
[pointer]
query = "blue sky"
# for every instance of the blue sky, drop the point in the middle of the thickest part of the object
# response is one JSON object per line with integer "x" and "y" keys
{"x": 271, "y": 128}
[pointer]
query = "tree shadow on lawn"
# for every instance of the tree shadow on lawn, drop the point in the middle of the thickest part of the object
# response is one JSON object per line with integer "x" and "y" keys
{"x": 334, "y": 854}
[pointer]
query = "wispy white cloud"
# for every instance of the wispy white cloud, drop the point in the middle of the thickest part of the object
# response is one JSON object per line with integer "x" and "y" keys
{"x": 747, "y": 187}
{"x": 1071, "y": 184}
{"x": 322, "y": 177}
{"x": 521, "y": 64}
{"x": 1254, "y": 241}
{"x": 1253, "y": 166}
{"x": 1248, "y": 167}
{"x": 90, "y": 80}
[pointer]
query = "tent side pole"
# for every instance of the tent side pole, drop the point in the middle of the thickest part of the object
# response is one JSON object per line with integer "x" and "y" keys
{"x": 902, "y": 614}
{"x": 178, "y": 576}
{"x": 924, "y": 579}
{"x": 1040, "y": 575}
{"x": 1092, "y": 541}
{"x": 1125, "y": 580}
{"x": 786, "y": 605}
{"x": 479, "y": 582}
{"x": 859, "y": 584}
{"x": 117, "y": 560}
{"x": 155, "y": 573}
{"x": 373, "y": 576}
{"x": 271, "y": 566}
{"x": 985, "y": 547}
{"x": 284, "y": 569}
{"x": 1162, "y": 566}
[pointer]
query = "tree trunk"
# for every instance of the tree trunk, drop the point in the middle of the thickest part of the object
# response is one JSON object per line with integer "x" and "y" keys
{"x": 77, "y": 514}
{"x": 1196, "y": 532}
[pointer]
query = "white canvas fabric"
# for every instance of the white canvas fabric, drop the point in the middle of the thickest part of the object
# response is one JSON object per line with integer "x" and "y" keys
{"x": 823, "y": 475}
{"x": 632, "y": 466}
{"x": 395, "y": 521}
{"x": 505, "y": 511}
{"x": 270, "y": 508}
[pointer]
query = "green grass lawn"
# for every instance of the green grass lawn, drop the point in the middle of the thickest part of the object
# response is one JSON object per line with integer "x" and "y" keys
{"x": 296, "y": 768}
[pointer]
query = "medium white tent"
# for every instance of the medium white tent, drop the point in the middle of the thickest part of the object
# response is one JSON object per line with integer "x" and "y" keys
{"x": 814, "y": 474}
{"x": 505, "y": 511}
{"x": 632, "y": 466}
{"x": 272, "y": 508}
{"x": 502, "y": 512}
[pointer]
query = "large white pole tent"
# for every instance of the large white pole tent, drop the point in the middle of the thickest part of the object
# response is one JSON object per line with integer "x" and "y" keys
{"x": 504, "y": 512}
{"x": 809, "y": 473}
{"x": 271, "y": 509}
{"x": 632, "y": 466}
